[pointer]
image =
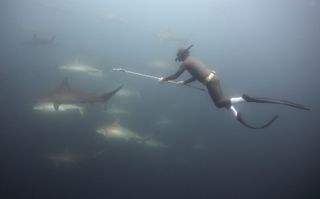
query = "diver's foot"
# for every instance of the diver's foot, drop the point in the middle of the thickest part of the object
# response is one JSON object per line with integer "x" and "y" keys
{"x": 247, "y": 98}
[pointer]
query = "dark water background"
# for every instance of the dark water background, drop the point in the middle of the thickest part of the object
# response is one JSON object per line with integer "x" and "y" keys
{"x": 264, "y": 48}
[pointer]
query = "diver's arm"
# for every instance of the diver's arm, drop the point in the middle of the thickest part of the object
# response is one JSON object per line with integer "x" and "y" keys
{"x": 176, "y": 75}
{"x": 191, "y": 79}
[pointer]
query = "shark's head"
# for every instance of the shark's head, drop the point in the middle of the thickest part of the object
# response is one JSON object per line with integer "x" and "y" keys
{"x": 100, "y": 131}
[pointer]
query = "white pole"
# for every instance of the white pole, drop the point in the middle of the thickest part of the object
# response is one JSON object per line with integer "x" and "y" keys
{"x": 153, "y": 77}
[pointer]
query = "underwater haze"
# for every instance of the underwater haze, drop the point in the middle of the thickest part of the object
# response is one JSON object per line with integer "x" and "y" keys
{"x": 156, "y": 140}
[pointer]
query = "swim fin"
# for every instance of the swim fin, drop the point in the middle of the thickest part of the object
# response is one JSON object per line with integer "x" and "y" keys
{"x": 274, "y": 101}
{"x": 239, "y": 118}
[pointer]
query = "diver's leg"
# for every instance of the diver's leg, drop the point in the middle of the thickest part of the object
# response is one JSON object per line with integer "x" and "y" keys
{"x": 216, "y": 95}
{"x": 247, "y": 98}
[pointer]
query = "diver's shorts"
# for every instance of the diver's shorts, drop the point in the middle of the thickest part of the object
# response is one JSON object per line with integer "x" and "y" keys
{"x": 211, "y": 77}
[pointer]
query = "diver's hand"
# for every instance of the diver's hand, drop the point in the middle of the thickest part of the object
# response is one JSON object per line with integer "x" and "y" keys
{"x": 180, "y": 82}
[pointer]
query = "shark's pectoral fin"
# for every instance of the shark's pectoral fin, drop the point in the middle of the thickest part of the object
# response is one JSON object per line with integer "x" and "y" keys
{"x": 56, "y": 106}
{"x": 82, "y": 110}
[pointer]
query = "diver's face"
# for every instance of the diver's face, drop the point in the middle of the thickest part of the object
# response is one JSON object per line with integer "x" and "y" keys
{"x": 179, "y": 59}
{"x": 184, "y": 56}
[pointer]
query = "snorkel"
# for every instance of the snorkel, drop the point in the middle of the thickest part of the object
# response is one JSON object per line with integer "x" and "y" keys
{"x": 182, "y": 52}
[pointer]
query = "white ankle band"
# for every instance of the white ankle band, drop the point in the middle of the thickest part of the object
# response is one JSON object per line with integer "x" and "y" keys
{"x": 236, "y": 100}
{"x": 234, "y": 111}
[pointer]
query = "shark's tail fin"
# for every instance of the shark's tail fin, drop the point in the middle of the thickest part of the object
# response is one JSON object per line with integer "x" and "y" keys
{"x": 104, "y": 98}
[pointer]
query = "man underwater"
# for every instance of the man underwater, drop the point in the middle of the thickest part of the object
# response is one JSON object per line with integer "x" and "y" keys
{"x": 201, "y": 73}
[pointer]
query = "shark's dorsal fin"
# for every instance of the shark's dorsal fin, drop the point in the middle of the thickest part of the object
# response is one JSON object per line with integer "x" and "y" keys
{"x": 82, "y": 110}
{"x": 56, "y": 106}
{"x": 65, "y": 84}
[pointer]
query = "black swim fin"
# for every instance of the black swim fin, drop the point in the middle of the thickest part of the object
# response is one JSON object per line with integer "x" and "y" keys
{"x": 274, "y": 101}
{"x": 239, "y": 118}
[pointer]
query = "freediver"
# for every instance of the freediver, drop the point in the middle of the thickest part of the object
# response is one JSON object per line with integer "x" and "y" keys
{"x": 199, "y": 71}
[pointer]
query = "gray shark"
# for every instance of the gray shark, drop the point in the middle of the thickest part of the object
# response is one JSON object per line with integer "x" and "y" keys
{"x": 64, "y": 94}
{"x": 69, "y": 157}
{"x": 41, "y": 41}
{"x": 119, "y": 132}
{"x": 169, "y": 35}
{"x": 82, "y": 68}
{"x": 48, "y": 107}
{"x": 65, "y": 157}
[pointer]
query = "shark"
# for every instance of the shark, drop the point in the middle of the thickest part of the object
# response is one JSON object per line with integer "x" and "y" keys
{"x": 119, "y": 132}
{"x": 81, "y": 68}
{"x": 37, "y": 41}
{"x": 64, "y": 94}
{"x": 164, "y": 122}
{"x": 169, "y": 35}
{"x": 158, "y": 64}
{"x": 69, "y": 157}
{"x": 116, "y": 131}
{"x": 113, "y": 110}
{"x": 126, "y": 93}
{"x": 48, "y": 107}
{"x": 66, "y": 157}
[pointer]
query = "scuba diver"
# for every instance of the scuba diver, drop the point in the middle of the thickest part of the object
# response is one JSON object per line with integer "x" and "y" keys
{"x": 209, "y": 78}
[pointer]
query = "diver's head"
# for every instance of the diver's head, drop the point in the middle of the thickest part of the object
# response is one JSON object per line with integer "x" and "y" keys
{"x": 183, "y": 53}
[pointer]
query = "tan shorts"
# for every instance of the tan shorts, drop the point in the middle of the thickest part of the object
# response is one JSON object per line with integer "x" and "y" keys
{"x": 212, "y": 76}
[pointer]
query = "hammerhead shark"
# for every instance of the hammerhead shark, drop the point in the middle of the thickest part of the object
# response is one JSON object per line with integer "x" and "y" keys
{"x": 64, "y": 94}
{"x": 41, "y": 41}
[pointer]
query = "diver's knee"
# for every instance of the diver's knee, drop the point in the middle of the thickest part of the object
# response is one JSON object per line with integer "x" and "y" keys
{"x": 219, "y": 106}
{"x": 223, "y": 104}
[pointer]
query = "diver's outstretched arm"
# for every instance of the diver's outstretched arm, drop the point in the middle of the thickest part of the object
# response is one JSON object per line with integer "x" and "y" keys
{"x": 191, "y": 79}
{"x": 175, "y": 75}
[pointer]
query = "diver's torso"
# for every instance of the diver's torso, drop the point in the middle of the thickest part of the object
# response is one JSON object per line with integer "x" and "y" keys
{"x": 196, "y": 68}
